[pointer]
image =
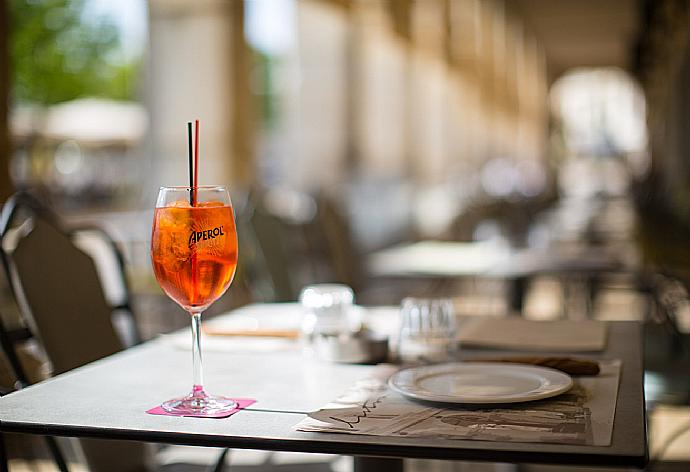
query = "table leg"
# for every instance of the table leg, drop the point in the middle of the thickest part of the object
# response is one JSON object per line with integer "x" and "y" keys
{"x": 378, "y": 464}
{"x": 4, "y": 465}
{"x": 57, "y": 454}
{"x": 517, "y": 288}
{"x": 219, "y": 466}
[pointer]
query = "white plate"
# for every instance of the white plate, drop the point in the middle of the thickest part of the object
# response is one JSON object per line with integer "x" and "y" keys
{"x": 480, "y": 382}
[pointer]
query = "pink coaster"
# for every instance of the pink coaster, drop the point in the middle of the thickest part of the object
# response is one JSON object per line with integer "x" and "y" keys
{"x": 242, "y": 403}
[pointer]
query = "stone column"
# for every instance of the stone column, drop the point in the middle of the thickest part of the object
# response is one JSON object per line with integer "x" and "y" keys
{"x": 191, "y": 74}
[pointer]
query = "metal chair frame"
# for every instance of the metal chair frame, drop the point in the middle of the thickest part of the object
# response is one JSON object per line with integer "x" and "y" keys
{"x": 10, "y": 338}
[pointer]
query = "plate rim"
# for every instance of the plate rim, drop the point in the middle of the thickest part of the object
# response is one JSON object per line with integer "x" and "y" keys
{"x": 475, "y": 400}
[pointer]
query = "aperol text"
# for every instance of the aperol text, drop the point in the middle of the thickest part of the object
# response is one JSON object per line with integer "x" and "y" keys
{"x": 197, "y": 236}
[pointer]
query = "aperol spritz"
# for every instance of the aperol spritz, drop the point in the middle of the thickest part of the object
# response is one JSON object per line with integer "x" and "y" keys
{"x": 194, "y": 256}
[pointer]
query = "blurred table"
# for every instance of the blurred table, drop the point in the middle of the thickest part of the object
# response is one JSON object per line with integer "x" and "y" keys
{"x": 444, "y": 260}
{"x": 108, "y": 399}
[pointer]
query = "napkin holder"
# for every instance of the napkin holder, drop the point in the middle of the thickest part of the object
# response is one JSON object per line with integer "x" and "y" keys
{"x": 362, "y": 347}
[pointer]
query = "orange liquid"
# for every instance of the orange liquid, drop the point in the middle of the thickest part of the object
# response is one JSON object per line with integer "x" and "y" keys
{"x": 194, "y": 252}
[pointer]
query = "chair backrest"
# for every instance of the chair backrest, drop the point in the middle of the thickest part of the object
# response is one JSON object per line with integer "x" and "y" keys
{"x": 67, "y": 305}
{"x": 343, "y": 257}
{"x": 58, "y": 289}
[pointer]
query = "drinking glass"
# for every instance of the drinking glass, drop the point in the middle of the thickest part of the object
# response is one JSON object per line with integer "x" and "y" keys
{"x": 194, "y": 256}
{"x": 427, "y": 330}
{"x": 326, "y": 309}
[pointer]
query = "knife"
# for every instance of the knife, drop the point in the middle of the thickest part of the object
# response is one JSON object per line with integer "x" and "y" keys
{"x": 256, "y": 333}
{"x": 564, "y": 364}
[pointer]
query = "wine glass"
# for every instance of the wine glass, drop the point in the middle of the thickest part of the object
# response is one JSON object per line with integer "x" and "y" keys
{"x": 194, "y": 256}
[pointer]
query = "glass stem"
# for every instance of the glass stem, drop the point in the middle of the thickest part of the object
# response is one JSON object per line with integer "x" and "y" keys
{"x": 197, "y": 370}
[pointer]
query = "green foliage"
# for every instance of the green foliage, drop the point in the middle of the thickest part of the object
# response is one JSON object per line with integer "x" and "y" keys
{"x": 265, "y": 88}
{"x": 56, "y": 56}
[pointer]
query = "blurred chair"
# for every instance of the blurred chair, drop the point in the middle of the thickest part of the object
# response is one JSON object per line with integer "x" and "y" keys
{"x": 331, "y": 237}
{"x": 56, "y": 282}
{"x": 297, "y": 240}
{"x": 110, "y": 265}
{"x": 270, "y": 234}
{"x": 63, "y": 305}
{"x": 273, "y": 250}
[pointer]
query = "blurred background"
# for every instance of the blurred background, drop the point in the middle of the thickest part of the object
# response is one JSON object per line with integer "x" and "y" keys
{"x": 556, "y": 130}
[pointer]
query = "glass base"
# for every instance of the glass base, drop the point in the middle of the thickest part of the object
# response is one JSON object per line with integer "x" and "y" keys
{"x": 199, "y": 403}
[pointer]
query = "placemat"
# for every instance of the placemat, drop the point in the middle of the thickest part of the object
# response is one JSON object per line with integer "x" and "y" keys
{"x": 584, "y": 415}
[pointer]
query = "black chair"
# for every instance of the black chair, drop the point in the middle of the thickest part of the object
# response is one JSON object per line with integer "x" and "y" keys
{"x": 63, "y": 306}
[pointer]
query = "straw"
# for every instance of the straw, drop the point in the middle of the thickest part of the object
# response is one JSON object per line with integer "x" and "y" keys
{"x": 196, "y": 157}
{"x": 191, "y": 164}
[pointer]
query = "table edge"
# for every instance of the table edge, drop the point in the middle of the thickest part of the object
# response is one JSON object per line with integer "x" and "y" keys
{"x": 328, "y": 447}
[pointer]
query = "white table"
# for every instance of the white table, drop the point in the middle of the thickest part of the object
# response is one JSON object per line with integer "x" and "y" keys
{"x": 108, "y": 399}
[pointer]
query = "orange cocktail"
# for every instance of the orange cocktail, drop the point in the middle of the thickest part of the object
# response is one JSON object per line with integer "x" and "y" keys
{"x": 194, "y": 256}
{"x": 194, "y": 252}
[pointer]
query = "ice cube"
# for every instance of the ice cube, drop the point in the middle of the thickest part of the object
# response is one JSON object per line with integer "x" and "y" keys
{"x": 180, "y": 204}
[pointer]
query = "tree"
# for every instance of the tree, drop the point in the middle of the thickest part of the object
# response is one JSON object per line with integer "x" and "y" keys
{"x": 57, "y": 56}
{"x": 5, "y": 181}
